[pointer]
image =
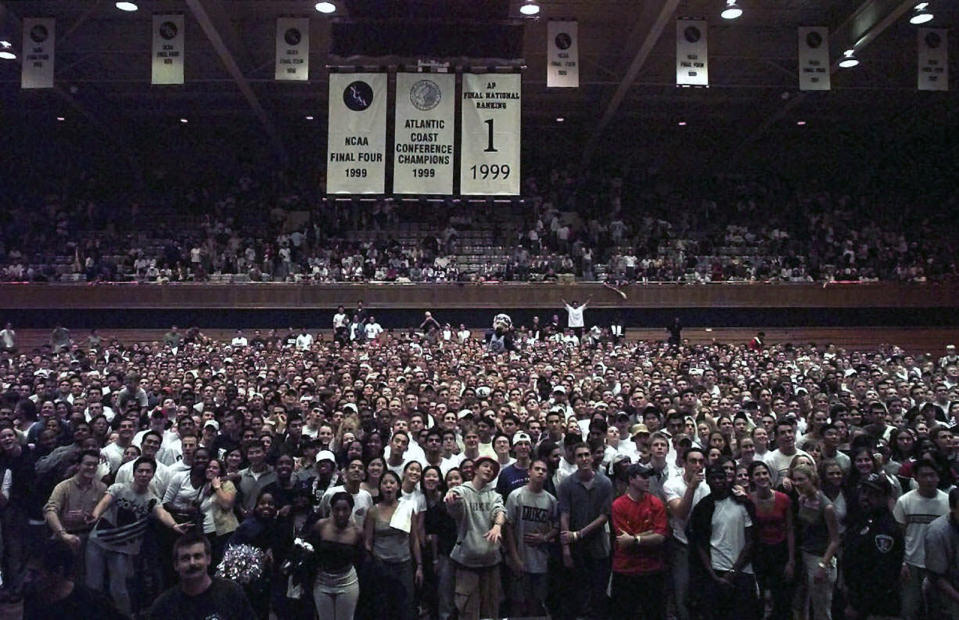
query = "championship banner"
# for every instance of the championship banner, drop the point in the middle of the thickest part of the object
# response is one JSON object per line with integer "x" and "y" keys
{"x": 423, "y": 138}
{"x": 356, "y": 146}
{"x": 692, "y": 62}
{"x": 933, "y": 59}
{"x": 167, "y": 49}
{"x": 562, "y": 52}
{"x": 293, "y": 48}
{"x": 490, "y": 134}
{"x": 39, "y": 39}
{"x": 814, "y": 58}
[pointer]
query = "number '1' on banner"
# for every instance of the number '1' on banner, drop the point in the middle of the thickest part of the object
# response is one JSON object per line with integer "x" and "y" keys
{"x": 490, "y": 134}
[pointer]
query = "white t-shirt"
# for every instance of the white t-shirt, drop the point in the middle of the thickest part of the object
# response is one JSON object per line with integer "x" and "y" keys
{"x": 730, "y": 520}
{"x": 157, "y": 484}
{"x": 362, "y": 502}
{"x": 450, "y": 462}
{"x": 675, "y": 488}
{"x": 779, "y": 463}
{"x": 304, "y": 342}
{"x": 915, "y": 513}
{"x": 530, "y": 512}
{"x": 373, "y": 331}
{"x": 575, "y": 315}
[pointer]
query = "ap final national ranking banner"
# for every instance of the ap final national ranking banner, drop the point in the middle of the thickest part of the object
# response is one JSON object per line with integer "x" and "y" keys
{"x": 490, "y": 134}
{"x": 356, "y": 147}
{"x": 424, "y": 138}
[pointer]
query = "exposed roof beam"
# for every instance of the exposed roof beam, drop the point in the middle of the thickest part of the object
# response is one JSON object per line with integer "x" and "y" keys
{"x": 213, "y": 20}
{"x": 860, "y": 29}
{"x": 650, "y": 36}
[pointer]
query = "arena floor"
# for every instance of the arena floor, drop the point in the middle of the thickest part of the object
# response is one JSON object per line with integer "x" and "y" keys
{"x": 914, "y": 340}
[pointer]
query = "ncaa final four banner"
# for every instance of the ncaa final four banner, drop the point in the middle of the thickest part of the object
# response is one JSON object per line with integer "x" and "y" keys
{"x": 356, "y": 144}
{"x": 814, "y": 58}
{"x": 293, "y": 48}
{"x": 490, "y": 134}
{"x": 562, "y": 66}
{"x": 933, "y": 59}
{"x": 167, "y": 49}
{"x": 39, "y": 39}
{"x": 692, "y": 61}
{"x": 423, "y": 138}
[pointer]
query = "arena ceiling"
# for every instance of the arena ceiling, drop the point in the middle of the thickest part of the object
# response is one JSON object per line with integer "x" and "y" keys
{"x": 627, "y": 58}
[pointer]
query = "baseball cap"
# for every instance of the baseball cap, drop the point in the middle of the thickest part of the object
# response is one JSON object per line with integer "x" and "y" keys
{"x": 213, "y": 423}
{"x": 638, "y": 469}
{"x": 521, "y": 436}
{"x": 638, "y": 429}
{"x": 560, "y": 388}
{"x": 482, "y": 459}
{"x": 464, "y": 413}
{"x": 876, "y": 481}
{"x": 325, "y": 455}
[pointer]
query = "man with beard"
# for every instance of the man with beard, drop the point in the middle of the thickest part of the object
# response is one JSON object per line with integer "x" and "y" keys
{"x": 198, "y": 595}
{"x": 873, "y": 554}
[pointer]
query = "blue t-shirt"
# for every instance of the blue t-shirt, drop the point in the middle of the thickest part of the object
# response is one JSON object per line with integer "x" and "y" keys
{"x": 511, "y": 478}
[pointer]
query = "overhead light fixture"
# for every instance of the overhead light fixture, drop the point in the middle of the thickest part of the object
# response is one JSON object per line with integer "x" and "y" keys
{"x": 560, "y": 119}
{"x": 529, "y": 8}
{"x": 6, "y": 44}
{"x": 309, "y": 118}
{"x": 129, "y": 7}
{"x": 325, "y": 7}
{"x": 921, "y": 14}
{"x": 732, "y": 10}
{"x": 848, "y": 60}
{"x": 7, "y": 55}
{"x": 184, "y": 120}
{"x": 801, "y": 123}
{"x": 681, "y": 123}
{"x": 61, "y": 119}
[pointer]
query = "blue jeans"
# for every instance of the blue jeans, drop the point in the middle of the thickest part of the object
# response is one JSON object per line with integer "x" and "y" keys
{"x": 118, "y": 565}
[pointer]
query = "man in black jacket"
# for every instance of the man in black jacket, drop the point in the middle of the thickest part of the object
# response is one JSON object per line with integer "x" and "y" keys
{"x": 874, "y": 549}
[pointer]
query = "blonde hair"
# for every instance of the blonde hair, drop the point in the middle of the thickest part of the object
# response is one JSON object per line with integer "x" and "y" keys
{"x": 807, "y": 471}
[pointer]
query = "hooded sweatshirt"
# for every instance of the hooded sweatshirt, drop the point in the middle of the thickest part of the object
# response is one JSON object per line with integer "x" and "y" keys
{"x": 474, "y": 516}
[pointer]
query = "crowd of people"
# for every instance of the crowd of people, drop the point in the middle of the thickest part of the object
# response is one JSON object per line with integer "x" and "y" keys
{"x": 568, "y": 225}
{"x": 431, "y": 473}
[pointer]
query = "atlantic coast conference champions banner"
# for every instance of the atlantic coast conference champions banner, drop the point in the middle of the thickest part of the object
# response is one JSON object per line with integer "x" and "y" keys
{"x": 814, "y": 58}
{"x": 490, "y": 138}
{"x": 39, "y": 39}
{"x": 167, "y": 49}
{"x": 356, "y": 146}
{"x": 692, "y": 62}
{"x": 424, "y": 135}
{"x": 293, "y": 48}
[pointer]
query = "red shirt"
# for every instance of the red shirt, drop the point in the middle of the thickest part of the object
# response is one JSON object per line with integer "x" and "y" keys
{"x": 771, "y": 520}
{"x": 632, "y": 517}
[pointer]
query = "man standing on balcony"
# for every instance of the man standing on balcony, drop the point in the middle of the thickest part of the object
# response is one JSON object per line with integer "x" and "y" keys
{"x": 575, "y": 319}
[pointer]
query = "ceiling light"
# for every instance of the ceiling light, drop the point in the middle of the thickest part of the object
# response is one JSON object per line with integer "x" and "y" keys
{"x": 325, "y": 7}
{"x": 129, "y": 7}
{"x": 681, "y": 123}
{"x": 560, "y": 119}
{"x": 61, "y": 119}
{"x": 184, "y": 121}
{"x": 732, "y": 11}
{"x": 6, "y": 44}
{"x": 529, "y": 8}
{"x": 309, "y": 118}
{"x": 8, "y": 55}
{"x": 848, "y": 60}
{"x": 921, "y": 15}
{"x": 801, "y": 123}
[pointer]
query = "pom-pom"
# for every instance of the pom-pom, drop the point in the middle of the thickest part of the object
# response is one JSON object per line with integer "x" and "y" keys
{"x": 242, "y": 564}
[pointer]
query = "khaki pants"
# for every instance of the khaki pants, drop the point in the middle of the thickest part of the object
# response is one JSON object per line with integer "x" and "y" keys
{"x": 477, "y": 592}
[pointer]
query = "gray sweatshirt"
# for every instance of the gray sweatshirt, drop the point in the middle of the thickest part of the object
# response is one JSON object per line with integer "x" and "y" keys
{"x": 474, "y": 516}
